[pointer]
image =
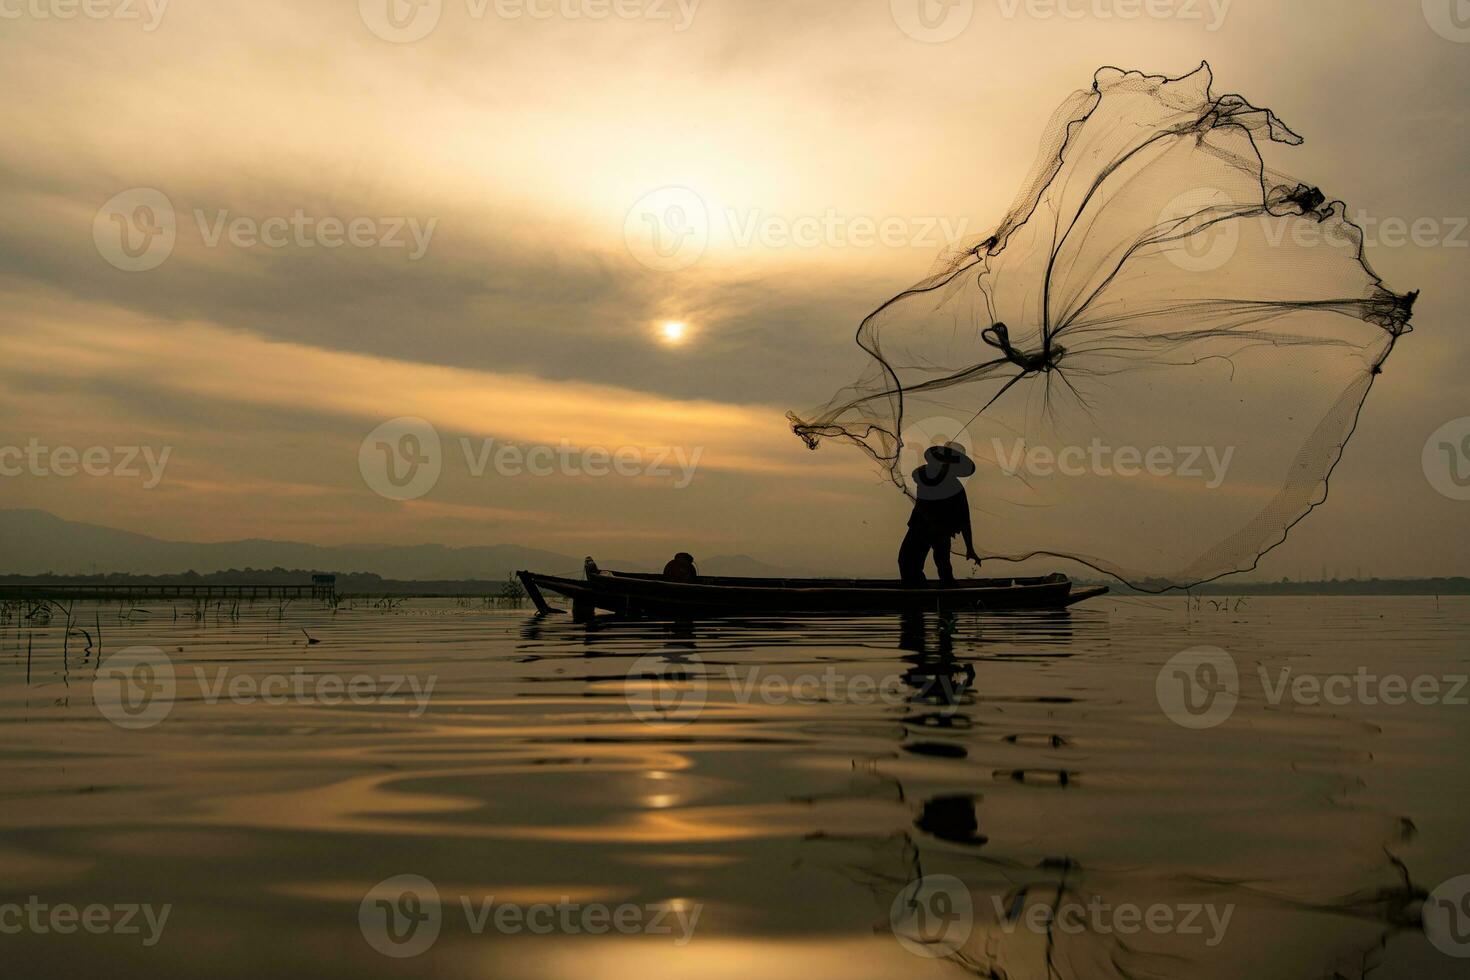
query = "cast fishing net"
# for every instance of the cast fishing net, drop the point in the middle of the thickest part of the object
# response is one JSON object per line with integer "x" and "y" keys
{"x": 1155, "y": 360}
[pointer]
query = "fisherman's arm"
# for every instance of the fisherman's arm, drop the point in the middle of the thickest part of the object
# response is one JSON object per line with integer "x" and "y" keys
{"x": 965, "y": 531}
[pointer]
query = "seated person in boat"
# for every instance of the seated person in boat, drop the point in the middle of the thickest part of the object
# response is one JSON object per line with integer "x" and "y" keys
{"x": 941, "y": 510}
{"x": 681, "y": 569}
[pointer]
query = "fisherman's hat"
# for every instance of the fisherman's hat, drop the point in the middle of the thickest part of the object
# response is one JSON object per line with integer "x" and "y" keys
{"x": 951, "y": 455}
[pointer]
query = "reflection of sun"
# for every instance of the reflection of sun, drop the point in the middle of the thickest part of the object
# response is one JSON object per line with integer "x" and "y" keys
{"x": 673, "y": 332}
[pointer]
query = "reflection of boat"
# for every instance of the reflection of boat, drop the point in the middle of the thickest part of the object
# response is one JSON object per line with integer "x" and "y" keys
{"x": 636, "y": 594}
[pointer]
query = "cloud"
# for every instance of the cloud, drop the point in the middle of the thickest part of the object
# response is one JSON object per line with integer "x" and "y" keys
{"x": 213, "y": 364}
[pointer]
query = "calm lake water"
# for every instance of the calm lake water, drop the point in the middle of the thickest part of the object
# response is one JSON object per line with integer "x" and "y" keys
{"x": 1260, "y": 788}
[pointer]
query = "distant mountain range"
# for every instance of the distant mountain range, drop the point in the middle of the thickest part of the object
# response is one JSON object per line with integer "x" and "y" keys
{"x": 35, "y": 542}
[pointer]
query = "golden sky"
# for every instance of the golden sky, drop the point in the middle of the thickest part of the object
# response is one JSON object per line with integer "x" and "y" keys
{"x": 487, "y": 215}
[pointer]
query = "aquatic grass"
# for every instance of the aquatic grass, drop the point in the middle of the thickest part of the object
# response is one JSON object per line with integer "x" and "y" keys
{"x": 512, "y": 593}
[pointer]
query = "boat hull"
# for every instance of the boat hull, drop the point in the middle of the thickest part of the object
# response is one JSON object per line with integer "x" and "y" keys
{"x": 651, "y": 596}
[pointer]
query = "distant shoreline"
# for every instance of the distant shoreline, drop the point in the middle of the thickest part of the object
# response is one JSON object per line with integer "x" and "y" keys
{"x": 359, "y": 583}
{"x": 347, "y": 584}
{"x": 1457, "y": 585}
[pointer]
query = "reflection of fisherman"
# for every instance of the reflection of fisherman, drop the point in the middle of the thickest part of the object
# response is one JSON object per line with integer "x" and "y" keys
{"x": 941, "y": 511}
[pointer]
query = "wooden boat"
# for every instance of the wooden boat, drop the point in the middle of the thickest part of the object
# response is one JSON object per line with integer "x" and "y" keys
{"x": 640, "y": 595}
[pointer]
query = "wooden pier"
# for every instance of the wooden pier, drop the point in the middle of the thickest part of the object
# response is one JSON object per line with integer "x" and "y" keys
{"x": 322, "y": 587}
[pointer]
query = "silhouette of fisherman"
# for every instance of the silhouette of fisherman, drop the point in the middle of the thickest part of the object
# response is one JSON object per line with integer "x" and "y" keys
{"x": 941, "y": 510}
{"x": 681, "y": 568}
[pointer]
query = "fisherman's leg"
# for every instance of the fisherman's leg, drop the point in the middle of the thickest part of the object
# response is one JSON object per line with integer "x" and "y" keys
{"x": 940, "y": 544}
{"x": 911, "y": 556}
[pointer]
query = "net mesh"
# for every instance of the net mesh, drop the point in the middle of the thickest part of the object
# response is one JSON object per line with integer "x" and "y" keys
{"x": 1155, "y": 360}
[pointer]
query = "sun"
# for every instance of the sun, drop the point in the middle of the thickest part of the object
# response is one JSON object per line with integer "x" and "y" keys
{"x": 674, "y": 331}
